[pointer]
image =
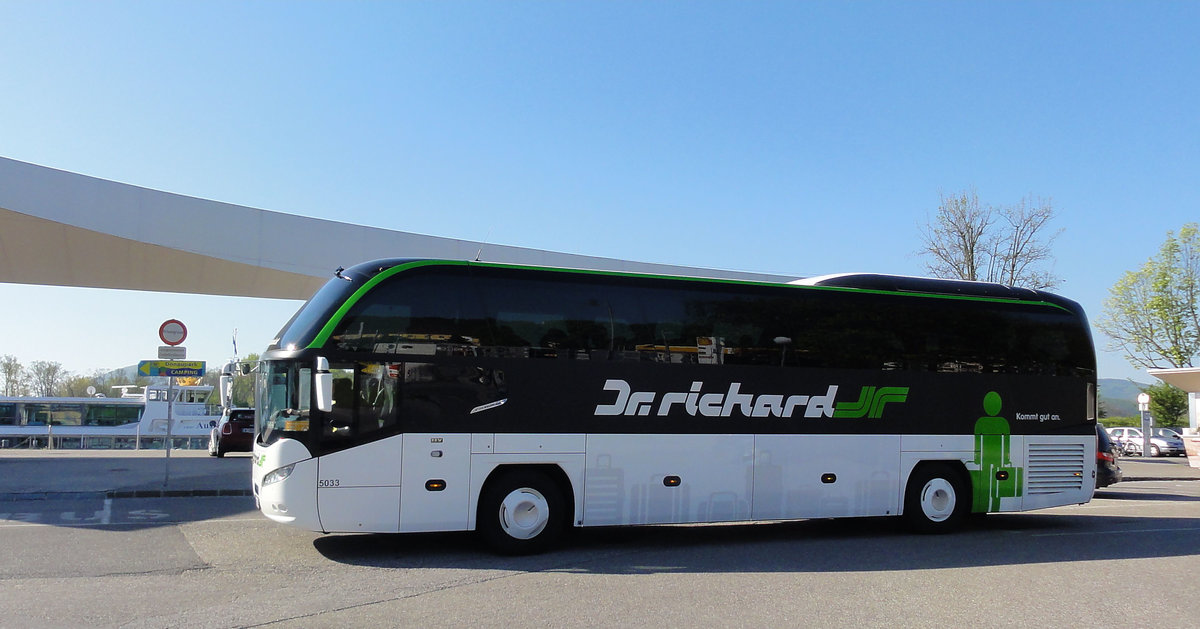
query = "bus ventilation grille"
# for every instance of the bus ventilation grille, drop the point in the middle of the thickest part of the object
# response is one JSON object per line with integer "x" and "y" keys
{"x": 1054, "y": 467}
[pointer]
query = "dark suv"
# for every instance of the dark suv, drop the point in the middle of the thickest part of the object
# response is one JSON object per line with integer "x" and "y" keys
{"x": 234, "y": 433}
{"x": 1107, "y": 470}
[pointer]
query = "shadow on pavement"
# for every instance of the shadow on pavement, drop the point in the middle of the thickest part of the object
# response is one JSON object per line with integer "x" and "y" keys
{"x": 854, "y": 545}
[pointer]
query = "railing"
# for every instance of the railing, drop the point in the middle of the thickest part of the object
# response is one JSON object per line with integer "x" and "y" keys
{"x": 196, "y": 410}
{"x": 51, "y": 441}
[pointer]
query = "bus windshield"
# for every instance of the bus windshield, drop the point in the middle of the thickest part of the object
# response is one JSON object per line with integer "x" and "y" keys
{"x": 284, "y": 399}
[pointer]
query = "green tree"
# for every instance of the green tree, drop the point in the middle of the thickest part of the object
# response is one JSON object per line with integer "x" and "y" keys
{"x": 1168, "y": 405}
{"x": 1009, "y": 245}
{"x": 77, "y": 386}
{"x": 243, "y": 386}
{"x": 1153, "y": 314}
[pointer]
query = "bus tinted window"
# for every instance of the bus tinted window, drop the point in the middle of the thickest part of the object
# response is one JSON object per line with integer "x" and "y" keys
{"x": 307, "y": 322}
{"x": 365, "y": 400}
{"x": 407, "y": 314}
{"x": 530, "y": 314}
{"x": 542, "y": 318}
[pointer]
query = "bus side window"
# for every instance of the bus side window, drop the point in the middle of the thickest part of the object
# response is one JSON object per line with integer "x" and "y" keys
{"x": 364, "y": 400}
{"x": 377, "y": 392}
{"x": 544, "y": 318}
{"x": 341, "y": 419}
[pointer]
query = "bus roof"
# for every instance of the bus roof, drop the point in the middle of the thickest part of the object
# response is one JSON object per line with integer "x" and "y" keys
{"x": 859, "y": 282}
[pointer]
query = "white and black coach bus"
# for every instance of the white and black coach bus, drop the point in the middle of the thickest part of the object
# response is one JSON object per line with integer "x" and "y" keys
{"x": 429, "y": 395}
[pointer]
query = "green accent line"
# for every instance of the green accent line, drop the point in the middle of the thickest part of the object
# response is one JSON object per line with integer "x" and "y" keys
{"x": 855, "y": 410}
{"x": 718, "y": 280}
{"x": 899, "y": 293}
{"x": 326, "y": 331}
{"x": 871, "y": 402}
{"x": 885, "y": 395}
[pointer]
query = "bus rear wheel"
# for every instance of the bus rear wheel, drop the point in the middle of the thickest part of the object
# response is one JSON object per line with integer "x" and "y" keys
{"x": 521, "y": 512}
{"x": 936, "y": 499}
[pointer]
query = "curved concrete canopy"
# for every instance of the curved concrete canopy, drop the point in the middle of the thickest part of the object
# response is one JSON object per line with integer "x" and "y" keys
{"x": 1186, "y": 378}
{"x": 65, "y": 229}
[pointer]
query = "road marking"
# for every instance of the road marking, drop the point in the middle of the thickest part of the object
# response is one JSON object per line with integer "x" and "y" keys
{"x": 103, "y": 516}
{"x": 23, "y": 518}
{"x": 147, "y": 514}
{"x": 13, "y": 523}
{"x": 1173, "y": 530}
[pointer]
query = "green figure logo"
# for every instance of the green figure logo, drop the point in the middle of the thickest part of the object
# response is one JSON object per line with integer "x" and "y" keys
{"x": 996, "y": 477}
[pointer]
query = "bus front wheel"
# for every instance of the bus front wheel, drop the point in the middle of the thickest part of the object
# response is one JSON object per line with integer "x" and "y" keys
{"x": 521, "y": 512}
{"x": 936, "y": 499}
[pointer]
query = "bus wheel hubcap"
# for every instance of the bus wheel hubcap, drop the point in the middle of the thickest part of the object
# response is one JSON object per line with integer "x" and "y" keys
{"x": 937, "y": 499}
{"x": 524, "y": 513}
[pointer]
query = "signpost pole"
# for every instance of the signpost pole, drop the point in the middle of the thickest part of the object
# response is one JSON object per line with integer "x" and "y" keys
{"x": 170, "y": 420}
{"x": 173, "y": 333}
{"x": 1144, "y": 407}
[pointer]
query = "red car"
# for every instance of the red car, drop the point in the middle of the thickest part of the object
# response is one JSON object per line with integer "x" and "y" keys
{"x": 234, "y": 433}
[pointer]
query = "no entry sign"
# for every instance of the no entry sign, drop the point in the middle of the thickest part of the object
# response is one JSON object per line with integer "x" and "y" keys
{"x": 172, "y": 332}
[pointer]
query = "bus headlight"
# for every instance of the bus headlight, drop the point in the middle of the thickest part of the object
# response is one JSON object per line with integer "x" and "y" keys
{"x": 274, "y": 476}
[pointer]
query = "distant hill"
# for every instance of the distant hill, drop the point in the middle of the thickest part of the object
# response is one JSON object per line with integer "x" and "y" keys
{"x": 124, "y": 375}
{"x": 1119, "y": 397}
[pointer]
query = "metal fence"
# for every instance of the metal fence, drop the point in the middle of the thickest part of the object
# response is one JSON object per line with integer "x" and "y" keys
{"x": 99, "y": 442}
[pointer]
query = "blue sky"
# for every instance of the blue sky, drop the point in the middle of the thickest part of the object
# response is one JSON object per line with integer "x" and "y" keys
{"x": 796, "y": 138}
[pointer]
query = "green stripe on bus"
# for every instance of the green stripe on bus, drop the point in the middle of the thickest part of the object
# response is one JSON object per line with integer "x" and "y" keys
{"x": 327, "y": 330}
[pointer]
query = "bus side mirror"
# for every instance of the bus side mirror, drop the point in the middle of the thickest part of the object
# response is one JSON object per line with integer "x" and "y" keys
{"x": 226, "y": 390}
{"x": 324, "y": 385}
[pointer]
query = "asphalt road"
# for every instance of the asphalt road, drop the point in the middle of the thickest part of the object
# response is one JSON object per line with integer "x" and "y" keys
{"x": 88, "y": 559}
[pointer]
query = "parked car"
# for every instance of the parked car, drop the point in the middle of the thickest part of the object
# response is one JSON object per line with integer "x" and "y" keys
{"x": 1107, "y": 470}
{"x": 234, "y": 433}
{"x": 1166, "y": 433}
{"x": 1131, "y": 441}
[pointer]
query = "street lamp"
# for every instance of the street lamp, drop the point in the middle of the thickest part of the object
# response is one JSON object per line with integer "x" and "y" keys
{"x": 1144, "y": 407}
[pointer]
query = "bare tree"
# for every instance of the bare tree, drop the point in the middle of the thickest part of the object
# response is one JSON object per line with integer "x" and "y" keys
{"x": 1009, "y": 245}
{"x": 955, "y": 239}
{"x": 14, "y": 376}
{"x": 46, "y": 377}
